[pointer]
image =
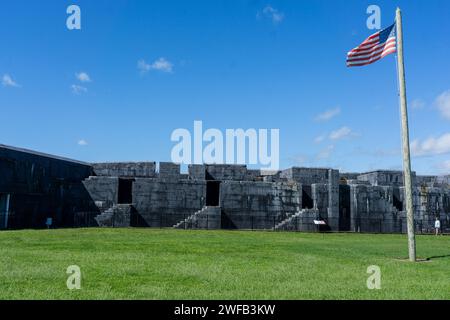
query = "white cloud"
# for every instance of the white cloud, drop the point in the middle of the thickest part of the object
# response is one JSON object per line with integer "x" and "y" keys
{"x": 319, "y": 139}
{"x": 143, "y": 66}
{"x": 417, "y": 104}
{"x": 76, "y": 89}
{"x": 83, "y": 77}
{"x": 443, "y": 104}
{"x": 82, "y": 142}
{"x": 272, "y": 14}
{"x": 160, "y": 64}
{"x": 328, "y": 114}
{"x": 341, "y": 133}
{"x": 7, "y": 81}
{"x": 325, "y": 153}
{"x": 431, "y": 146}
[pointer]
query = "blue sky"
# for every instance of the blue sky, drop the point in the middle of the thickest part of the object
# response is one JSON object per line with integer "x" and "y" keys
{"x": 232, "y": 64}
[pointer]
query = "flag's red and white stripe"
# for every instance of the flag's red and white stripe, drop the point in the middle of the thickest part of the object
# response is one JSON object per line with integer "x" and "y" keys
{"x": 371, "y": 50}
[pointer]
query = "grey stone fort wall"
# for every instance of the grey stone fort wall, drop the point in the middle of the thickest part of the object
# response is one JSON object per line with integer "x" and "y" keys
{"x": 40, "y": 186}
{"x": 125, "y": 169}
{"x": 36, "y": 186}
{"x": 103, "y": 190}
{"x": 257, "y": 205}
{"x": 164, "y": 203}
{"x": 306, "y": 176}
{"x": 384, "y": 177}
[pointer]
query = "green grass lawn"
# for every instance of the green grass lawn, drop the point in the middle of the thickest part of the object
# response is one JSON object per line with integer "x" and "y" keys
{"x": 183, "y": 264}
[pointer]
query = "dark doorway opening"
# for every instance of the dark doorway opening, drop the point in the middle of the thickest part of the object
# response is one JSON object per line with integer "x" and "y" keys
{"x": 344, "y": 208}
{"x": 125, "y": 192}
{"x": 307, "y": 201}
{"x": 212, "y": 193}
{"x": 396, "y": 200}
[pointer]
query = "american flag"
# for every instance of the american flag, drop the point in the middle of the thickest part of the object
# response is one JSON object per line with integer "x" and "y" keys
{"x": 374, "y": 48}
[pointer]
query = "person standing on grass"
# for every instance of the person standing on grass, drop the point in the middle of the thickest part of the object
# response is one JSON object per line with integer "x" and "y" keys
{"x": 437, "y": 225}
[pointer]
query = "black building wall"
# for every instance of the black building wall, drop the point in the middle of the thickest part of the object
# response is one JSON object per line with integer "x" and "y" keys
{"x": 40, "y": 186}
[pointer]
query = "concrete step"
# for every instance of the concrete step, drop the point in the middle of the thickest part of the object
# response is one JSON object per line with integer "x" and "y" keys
{"x": 184, "y": 224}
{"x": 286, "y": 222}
{"x": 116, "y": 216}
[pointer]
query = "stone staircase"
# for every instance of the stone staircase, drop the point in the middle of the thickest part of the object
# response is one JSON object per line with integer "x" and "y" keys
{"x": 290, "y": 222}
{"x": 284, "y": 221}
{"x": 117, "y": 216}
{"x": 287, "y": 221}
{"x": 206, "y": 218}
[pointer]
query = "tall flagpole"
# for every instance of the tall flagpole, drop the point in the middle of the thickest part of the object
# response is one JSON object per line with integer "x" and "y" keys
{"x": 405, "y": 140}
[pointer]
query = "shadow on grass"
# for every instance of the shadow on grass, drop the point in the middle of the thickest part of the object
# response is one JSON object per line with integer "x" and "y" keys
{"x": 439, "y": 257}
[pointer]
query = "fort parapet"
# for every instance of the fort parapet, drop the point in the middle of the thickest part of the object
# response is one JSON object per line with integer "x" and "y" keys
{"x": 35, "y": 187}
